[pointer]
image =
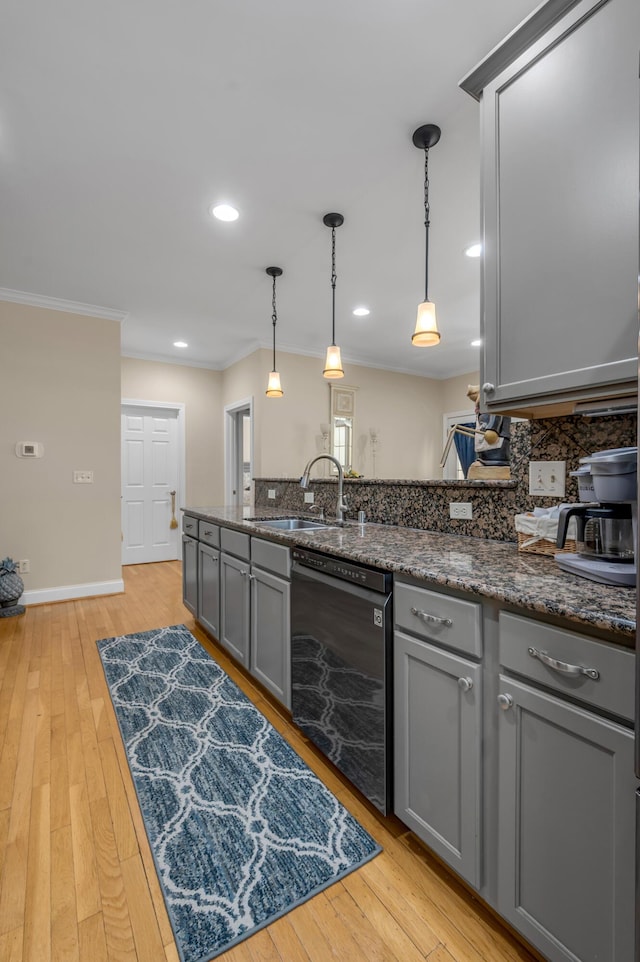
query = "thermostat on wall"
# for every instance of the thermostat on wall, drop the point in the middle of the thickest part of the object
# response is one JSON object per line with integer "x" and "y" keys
{"x": 29, "y": 449}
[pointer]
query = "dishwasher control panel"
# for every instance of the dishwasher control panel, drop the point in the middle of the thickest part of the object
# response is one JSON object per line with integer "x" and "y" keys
{"x": 371, "y": 578}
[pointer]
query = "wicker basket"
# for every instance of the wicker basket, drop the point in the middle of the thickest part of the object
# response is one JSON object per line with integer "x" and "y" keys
{"x": 542, "y": 546}
{"x": 537, "y": 535}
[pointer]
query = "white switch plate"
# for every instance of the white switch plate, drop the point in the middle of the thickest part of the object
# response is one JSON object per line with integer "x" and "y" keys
{"x": 309, "y": 497}
{"x": 83, "y": 477}
{"x": 271, "y": 493}
{"x": 460, "y": 509}
{"x": 547, "y": 478}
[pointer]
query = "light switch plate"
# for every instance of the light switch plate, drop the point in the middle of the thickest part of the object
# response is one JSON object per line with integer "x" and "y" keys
{"x": 309, "y": 497}
{"x": 271, "y": 493}
{"x": 547, "y": 478}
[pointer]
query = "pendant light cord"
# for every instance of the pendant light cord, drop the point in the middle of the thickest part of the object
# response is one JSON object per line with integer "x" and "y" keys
{"x": 333, "y": 285}
{"x": 274, "y": 319}
{"x": 426, "y": 223}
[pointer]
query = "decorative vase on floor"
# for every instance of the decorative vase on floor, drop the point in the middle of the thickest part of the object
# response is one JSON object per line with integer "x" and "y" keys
{"x": 11, "y": 587}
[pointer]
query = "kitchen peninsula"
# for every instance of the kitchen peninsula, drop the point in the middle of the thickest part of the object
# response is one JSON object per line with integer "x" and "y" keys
{"x": 491, "y": 569}
{"x": 513, "y": 703}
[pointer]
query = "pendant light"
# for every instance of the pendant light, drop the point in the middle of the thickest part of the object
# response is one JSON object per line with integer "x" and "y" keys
{"x": 273, "y": 387}
{"x": 426, "y": 333}
{"x": 333, "y": 363}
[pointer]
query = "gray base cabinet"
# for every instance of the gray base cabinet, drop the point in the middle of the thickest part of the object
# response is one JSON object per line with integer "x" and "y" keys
{"x": 255, "y": 608}
{"x": 438, "y": 750}
{"x": 190, "y": 573}
{"x": 234, "y": 606}
{"x": 514, "y": 763}
{"x": 566, "y": 814}
{"x": 560, "y": 144}
{"x": 271, "y": 632}
{"x": 209, "y": 588}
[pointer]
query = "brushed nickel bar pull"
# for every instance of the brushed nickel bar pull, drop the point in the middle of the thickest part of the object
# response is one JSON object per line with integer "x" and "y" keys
{"x": 563, "y": 666}
{"x": 431, "y": 619}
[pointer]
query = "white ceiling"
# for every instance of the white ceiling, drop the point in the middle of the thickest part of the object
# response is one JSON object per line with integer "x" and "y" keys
{"x": 121, "y": 124}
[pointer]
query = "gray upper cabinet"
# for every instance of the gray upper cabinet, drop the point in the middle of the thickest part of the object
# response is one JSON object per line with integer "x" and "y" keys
{"x": 560, "y": 152}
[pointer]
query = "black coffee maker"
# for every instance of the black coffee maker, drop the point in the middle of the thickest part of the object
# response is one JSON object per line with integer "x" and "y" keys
{"x": 605, "y": 538}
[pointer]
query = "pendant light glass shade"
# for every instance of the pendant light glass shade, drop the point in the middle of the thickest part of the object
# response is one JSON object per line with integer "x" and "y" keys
{"x": 426, "y": 333}
{"x": 273, "y": 387}
{"x": 333, "y": 362}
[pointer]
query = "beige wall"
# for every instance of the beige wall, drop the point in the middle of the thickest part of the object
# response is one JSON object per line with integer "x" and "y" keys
{"x": 60, "y": 378}
{"x": 454, "y": 393}
{"x": 62, "y": 382}
{"x": 200, "y": 390}
{"x": 405, "y": 410}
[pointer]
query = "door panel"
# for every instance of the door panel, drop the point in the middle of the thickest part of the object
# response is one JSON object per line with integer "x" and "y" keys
{"x": 566, "y": 814}
{"x": 149, "y": 474}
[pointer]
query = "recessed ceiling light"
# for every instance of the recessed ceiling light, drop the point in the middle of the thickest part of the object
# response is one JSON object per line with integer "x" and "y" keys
{"x": 473, "y": 250}
{"x": 361, "y": 311}
{"x": 180, "y": 344}
{"x": 476, "y": 343}
{"x": 225, "y": 212}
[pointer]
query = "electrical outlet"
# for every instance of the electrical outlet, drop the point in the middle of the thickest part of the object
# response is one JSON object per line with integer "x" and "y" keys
{"x": 271, "y": 493}
{"x": 24, "y": 566}
{"x": 83, "y": 477}
{"x": 460, "y": 509}
{"x": 309, "y": 497}
{"x": 547, "y": 478}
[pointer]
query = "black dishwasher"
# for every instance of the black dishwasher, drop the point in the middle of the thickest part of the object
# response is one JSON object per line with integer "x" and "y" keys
{"x": 341, "y": 664}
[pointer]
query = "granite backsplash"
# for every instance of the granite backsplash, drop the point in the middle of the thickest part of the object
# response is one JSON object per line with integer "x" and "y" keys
{"x": 425, "y": 504}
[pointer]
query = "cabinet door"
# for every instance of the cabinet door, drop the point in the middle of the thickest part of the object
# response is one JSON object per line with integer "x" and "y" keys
{"x": 209, "y": 588}
{"x": 190, "y": 574}
{"x": 234, "y": 607}
{"x": 560, "y": 185}
{"x": 567, "y": 830}
{"x": 271, "y": 633}
{"x": 437, "y": 751}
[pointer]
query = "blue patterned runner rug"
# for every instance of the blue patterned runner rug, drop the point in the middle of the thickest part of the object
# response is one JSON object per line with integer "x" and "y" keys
{"x": 240, "y": 828}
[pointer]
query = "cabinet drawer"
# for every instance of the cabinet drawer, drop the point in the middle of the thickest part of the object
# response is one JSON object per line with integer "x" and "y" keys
{"x": 209, "y": 533}
{"x": 235, "y": 542}
{"x": 271, "y": 556}
{"x": 614, "y": 688}
{"x": 190, "y": 525}
{"x": 440, "y": 618}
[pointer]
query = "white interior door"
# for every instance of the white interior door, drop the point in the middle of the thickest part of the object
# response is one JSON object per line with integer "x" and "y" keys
{"x": 150, "y": 472}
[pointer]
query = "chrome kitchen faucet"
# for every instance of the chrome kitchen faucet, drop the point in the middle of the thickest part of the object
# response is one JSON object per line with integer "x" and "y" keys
{"x": 341, "y": 506}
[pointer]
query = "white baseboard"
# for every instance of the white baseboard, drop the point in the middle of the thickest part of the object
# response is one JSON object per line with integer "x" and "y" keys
{"x": 41, "y": 596}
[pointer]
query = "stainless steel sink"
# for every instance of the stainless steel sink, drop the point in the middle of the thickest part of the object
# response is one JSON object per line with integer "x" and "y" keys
{"x": 290, "y": 524}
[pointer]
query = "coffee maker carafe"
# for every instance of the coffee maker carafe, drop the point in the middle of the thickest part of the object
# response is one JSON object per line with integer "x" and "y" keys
{"x": 606, "y": 529}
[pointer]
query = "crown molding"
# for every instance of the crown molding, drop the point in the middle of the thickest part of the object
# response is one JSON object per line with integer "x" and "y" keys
{"x": 57, "y": 304}
{"x": 169, "y": 359}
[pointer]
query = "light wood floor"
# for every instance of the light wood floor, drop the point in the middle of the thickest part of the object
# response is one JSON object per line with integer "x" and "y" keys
{"x": 77, "y": 882}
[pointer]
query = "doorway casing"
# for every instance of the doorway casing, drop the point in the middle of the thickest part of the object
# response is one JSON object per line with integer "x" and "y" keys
{"x": 234, "y": 415}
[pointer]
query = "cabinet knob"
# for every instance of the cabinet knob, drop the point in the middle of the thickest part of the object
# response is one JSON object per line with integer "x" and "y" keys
{"x": 465, "y": 684}
{"x": 488, "y": 387}
{"x": 505, "y": 702}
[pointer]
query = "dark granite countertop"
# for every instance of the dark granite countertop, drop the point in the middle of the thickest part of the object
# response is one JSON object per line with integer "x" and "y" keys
{"x": 490, "y": 569}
